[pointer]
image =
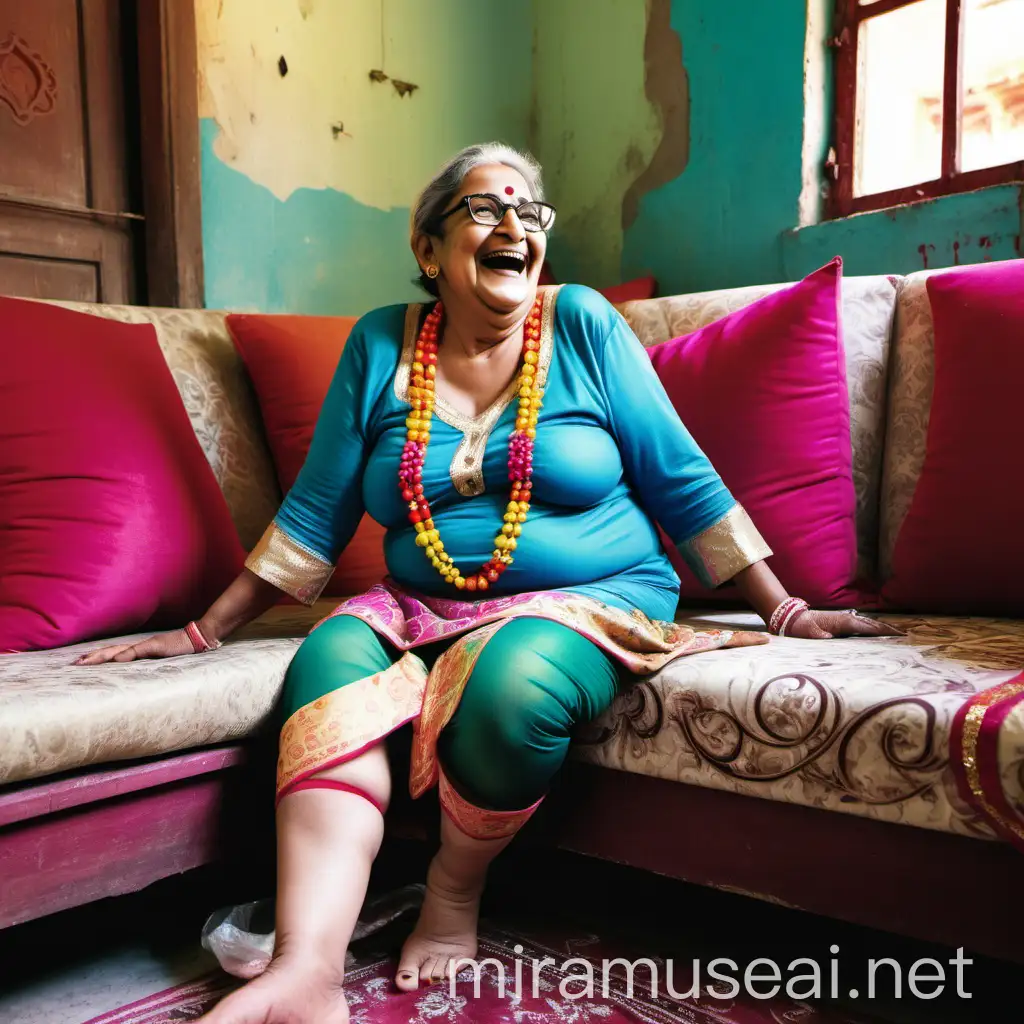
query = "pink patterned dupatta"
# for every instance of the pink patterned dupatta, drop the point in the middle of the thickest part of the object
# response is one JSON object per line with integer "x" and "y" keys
{"x": 342, "y": 724}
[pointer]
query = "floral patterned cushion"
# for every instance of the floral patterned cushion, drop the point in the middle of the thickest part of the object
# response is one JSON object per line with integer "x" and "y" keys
{"x": 910, "y": 402}
{"x": 868, "y": 305}
{"x": 854, "y": 726}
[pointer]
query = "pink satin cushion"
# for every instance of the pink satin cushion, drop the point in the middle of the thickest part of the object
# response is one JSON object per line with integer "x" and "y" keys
{"x": 763, "y": 392}
{"x": 111, "y": 520}
{"x": 959, "y": 550}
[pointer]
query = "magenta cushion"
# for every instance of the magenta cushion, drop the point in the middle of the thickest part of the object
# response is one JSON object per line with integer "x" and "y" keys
{"x": 763, "y": 391}
{"x": 959, "y": 550}
{"x": 111, "y": 519}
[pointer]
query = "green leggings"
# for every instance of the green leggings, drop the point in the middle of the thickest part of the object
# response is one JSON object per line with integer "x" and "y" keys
{"x": 532, "y": 683}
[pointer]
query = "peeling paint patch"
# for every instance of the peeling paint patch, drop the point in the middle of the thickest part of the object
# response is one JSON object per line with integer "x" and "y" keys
{"x": 668, "y": 88}
{"x": 595, "y": 127}
{"x": 397, "y": 137}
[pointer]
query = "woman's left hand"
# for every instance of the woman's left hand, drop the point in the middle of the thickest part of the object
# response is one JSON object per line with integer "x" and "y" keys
{"x": 813, "y": 625}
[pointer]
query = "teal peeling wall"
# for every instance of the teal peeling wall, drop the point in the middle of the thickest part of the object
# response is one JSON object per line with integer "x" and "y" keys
{"x": 730, "y": 219}
{"x": 720, "y": 223}
{"x": 969, "y": 228}
{"x": 572, "y": 87}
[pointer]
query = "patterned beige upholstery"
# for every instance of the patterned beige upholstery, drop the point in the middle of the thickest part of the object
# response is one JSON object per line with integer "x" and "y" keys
{"x": 854, "y": 726}
{"x": 220, "y": 402}
{"x": 857, "y": 726}
{"x": 867, "y": 312}
{"x": 55, "y": 717}
{"x": 910, "y": 402}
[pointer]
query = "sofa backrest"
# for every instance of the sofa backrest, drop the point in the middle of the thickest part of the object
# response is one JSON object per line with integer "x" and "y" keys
{"x": 867, "y": 318}
{"x": 221, "y": 405}
{"x": 887, "y": 337}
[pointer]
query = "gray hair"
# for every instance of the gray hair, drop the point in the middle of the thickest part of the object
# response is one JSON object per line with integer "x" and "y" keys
{"x": 436, "y": 197}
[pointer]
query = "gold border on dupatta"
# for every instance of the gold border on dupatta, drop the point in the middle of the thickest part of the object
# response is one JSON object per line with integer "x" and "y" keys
{"x": 289, "y": 566}
{"x": 466, "y": 469}
{"x": 974, "y": 720}
{"x": 724, "y": 549}
{"x": 341, "y": 724}
{"x": 478, "y": 822}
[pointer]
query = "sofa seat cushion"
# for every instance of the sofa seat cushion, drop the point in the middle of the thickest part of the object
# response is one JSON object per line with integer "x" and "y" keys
{"x": 858, "y": 726}
{"x": 56, "y": 717}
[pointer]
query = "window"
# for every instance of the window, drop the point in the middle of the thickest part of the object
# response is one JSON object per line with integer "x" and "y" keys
{"x": 929, "y": 100}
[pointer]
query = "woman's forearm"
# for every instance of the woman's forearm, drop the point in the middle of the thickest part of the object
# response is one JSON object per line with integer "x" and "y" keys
{"x": 247, "y": 598}
{"x": 761, "y": 589}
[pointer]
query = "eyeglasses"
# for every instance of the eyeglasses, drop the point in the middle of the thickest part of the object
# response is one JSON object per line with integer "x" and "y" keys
{"x": 490, "y": 211}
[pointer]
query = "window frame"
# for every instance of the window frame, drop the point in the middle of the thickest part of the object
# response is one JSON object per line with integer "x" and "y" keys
{"x": 839, "y": 168}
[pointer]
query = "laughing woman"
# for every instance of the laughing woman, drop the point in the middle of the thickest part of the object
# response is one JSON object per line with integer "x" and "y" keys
{"x": 520, "y": 450}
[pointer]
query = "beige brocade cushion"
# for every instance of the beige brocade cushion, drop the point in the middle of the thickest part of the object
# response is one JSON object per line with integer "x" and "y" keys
{"x": 867, "y": 314}
{"x": 215, "y": 389}
{"x": 856, "y": 726}
{"x": 910, "y": 402}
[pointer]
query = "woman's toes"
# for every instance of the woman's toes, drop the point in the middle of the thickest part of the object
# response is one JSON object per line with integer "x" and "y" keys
{"x": 407, "y": 979}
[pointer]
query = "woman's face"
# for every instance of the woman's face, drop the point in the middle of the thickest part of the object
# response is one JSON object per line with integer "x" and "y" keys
{"x": 496, "y": 266}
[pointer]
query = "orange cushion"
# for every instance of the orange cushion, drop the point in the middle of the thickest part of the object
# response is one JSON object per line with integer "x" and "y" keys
{"x": 291, "y": 360}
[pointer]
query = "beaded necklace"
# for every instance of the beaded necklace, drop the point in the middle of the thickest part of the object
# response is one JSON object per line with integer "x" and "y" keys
{"x": 520, "y": 454}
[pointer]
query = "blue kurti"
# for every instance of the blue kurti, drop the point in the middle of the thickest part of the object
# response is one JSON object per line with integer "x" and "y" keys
{"x": 611, "y": 459}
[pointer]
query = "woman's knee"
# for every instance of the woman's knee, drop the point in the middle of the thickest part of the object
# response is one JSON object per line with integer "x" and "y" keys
{"x": 535, "y": 680}
{"x": 510, "y": 733}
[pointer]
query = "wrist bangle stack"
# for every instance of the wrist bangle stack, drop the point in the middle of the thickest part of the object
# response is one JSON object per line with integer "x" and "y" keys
{"x": 200, "y": 645}
{"x": 785, "y": 614}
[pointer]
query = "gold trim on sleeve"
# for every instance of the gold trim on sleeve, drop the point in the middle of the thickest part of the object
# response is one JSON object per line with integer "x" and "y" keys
{"x": 289, "y": 566}
{"x": 721, "y": 551}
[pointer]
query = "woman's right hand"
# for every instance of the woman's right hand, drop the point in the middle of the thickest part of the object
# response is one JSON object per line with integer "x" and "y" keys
{"x": 163, "y": 645}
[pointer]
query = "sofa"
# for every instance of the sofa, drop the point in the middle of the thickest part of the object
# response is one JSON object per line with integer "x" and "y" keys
{"x": 820, "y": 776}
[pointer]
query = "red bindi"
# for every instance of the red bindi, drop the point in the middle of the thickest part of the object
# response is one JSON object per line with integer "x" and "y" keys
{"x": 509, "y": 190}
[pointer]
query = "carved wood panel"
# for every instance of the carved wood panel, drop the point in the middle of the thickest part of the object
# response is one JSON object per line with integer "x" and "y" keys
{"x": 65, "y": 151}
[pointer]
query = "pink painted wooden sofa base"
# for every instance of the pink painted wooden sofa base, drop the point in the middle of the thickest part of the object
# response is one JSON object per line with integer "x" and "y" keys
{"x": 69, "y": 841}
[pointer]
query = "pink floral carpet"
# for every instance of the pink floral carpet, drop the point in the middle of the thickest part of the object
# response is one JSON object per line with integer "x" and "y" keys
{"x": 533, "y": 991}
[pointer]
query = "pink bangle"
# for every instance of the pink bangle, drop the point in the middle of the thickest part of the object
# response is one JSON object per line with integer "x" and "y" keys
{"x": 785, "y": 614}
{"x": 199, "y": 642}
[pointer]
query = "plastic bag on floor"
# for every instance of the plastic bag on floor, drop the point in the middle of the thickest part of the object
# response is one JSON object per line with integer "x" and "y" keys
{"x": 242, "y": 937}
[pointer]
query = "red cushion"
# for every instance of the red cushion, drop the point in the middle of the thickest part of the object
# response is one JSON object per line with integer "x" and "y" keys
{"x": 291, "y": 360}
{"x": 640, "y": 288}
{"x": 111, "y": 520}
{"x": 959, "y": 550}
{"x": 763, "y": 391}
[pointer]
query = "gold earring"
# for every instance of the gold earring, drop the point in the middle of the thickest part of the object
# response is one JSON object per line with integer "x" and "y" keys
{"x": 432, "y": 272}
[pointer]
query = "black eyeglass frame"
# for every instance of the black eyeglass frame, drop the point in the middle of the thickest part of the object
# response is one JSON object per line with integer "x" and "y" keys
{"x": 503, "y": 208}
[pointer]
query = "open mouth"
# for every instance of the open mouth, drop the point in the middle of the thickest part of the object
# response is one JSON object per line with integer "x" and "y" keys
{"x": 508, "y": 261}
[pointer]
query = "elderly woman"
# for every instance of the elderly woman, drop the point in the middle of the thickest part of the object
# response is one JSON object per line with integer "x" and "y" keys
{"x": 519, "y": 448}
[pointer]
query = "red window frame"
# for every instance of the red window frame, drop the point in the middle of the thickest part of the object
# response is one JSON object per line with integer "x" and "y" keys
{"x": 849, "y": 15}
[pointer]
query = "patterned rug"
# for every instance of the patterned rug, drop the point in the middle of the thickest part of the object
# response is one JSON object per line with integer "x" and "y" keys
{"x": 521, "y": 980}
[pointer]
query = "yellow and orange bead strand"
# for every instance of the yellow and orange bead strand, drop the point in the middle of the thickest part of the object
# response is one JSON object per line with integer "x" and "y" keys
{"x": 520, "y": 454}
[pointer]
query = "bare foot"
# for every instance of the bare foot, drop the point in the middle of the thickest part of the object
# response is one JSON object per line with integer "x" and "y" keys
{"x": 284, "y": 994}
{"x": 445, "y": 931}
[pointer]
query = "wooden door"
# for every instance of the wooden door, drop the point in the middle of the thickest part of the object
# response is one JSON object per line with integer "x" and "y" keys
{"x": 69, "y": 217}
